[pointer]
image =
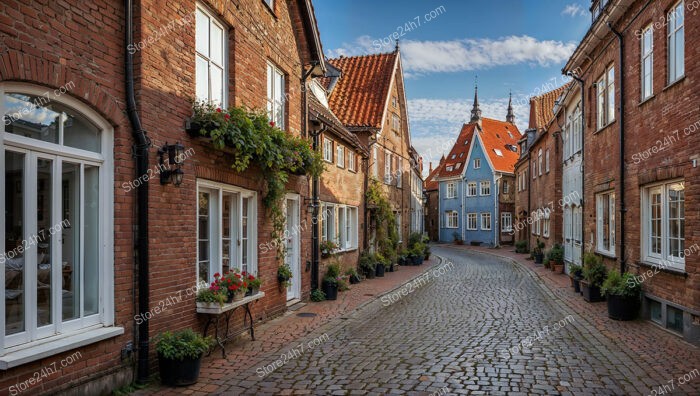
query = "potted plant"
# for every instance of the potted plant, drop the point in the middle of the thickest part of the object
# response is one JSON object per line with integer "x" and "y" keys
{"x": 379, "y": 265}
{"x": 234, "y": 283}
{"x": 426, "y": 251}
{"x": 180, "y": 356}
{"x": 623, "y": 294}
{"x": 367, "y": 264}
{"x": 327, "y": 248}
{"x": 284, "y": 275}
{"x": 389, "y": 259}
{"x": 576, "y": 274}
{"x": 457, "y": 238}
{"x": 538, "y": 252}
{"x": 521, "y": 247}
{"x": 210, "y": 298}
{"x": 418, "y": 253}
{"x": 317, "y": 295}
{"x": 352, "y": 275}
{"x": 330, "y": 282}
{"x": 403, "y": 257}
{"x": 253, "y": 284}
{"x": 594, "y": 273}
{"x": 546, "y": 262}
{"x": 556, "y": 256}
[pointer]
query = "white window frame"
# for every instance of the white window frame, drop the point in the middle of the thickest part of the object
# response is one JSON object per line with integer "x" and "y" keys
{"x": 472, "y": 222}
{"x": 605, "y": 199}
{"x": 471, "y": 189}
{"x": 399, "y": 172}
{"x": 546, "y": 161}
{"x": 451, "y": 190}
{"x": 340, "y": 160}
{"x": 212, "y": 23}
{"x": 506, "y": 222}
{"x": 539, "y": 161}
{"x": 534, "y": 170}
{"x": 477, "y": 163}
{"x": 35, "y": 342}
{"x": 395, "y": 122}
{"x": 647, "y": 62}
{"x": 375, "y": 163}
{"x": 675, "y": 32}
{"x": 577, "y": 130}
{"x": 387, "y": 167}
{"x": 486, "y": 221}
{"x": 451, "y": 219}
{"x": 484, "y": 188}
{"x": 352, "y": 159}
{"x": 276, "y": 100}
{"x": 328, "y": 150}
{"x": 605, "y": 98}
{"x": 505, "y": 186}
{"x": 663, "y": 258}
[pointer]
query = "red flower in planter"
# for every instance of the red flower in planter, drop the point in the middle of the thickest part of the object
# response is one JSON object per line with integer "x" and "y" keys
{"x": 217, "y": 275}
{"x": 238, "y": 276}
{"x": 226, "y": 116}
{"x": 272, "y": 123}
{"x": 218, "y": 110}
{"x": 251, "y": 277}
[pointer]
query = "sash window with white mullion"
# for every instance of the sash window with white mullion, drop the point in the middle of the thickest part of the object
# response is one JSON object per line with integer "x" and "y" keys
{"x": 676, "y": 42}
{"x": 339, "y": 224}
{"x": 56, "y": 234}
{"x": 663, "y": 221}
{"x": 225, "y": 235}
{"x": 647, "y": 62}
{"x": 210, "y": 58}
{"x": 275, "y": 95}
{"x": 605, "y": 223}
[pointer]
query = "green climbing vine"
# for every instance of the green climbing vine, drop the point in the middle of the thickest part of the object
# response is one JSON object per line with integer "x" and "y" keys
{"x": 382, "y": 213}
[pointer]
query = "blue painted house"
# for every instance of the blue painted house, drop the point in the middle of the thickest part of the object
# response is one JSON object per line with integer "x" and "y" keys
{"x": 476, "y": 182}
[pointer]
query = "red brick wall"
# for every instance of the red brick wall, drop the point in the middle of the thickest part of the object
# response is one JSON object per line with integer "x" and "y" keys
{"x": 546, "y": 188}
{"x": 520, "y": 224}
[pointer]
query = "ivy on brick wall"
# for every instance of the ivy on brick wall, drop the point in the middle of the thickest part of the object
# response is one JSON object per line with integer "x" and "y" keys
{"x": 384, "y": 218}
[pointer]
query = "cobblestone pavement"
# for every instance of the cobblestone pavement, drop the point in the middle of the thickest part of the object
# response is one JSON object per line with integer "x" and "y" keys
{"x": 475, "y": 324}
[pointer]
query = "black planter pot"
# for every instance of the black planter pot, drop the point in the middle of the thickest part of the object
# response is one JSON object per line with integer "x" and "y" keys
{"x": 591, "y": 293}
{"x": 370, "y": 274}
{"x": 623, "y": 307}
{"x": 379, "y": 270}
{"x": 179, "y": 372}
{"x": 391, "y": 268}
{"x": 195, "y": 129}
{"x": 402, "y": 261}
{"x": 417, "y": 260}
{"x": 354, "y": 279}
{"x": 577, "y": 285}
{"x": 539, "y": 258}
{"x": 330, "y": 289}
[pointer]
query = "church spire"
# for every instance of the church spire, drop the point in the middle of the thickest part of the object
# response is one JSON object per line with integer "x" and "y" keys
{"x": 476, "y": 111}
{"x": 510, "y": 117}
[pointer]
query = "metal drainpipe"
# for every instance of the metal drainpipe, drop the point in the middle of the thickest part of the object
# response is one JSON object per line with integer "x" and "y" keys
{"x": 583, "y": 142}
{"x": 315, "y": 188}
{"x": 141, "y": 145}
{"x": 623, "y": 208}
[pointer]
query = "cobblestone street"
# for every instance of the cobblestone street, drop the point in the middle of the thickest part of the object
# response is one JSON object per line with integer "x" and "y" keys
{"x": 475, "y": 324}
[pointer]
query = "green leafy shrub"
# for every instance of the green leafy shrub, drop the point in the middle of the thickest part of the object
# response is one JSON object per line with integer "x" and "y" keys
{"x": 521, "y": 247}
{"x": 317, "y": 295}
{"x": 624, "y": 285}
{"x": 181, "y": 345}
{"x": 557, "y": 254}
{"x": 284, "y": 275}
{"x": 367, "y": 263}
{"x": 576, "y": 270}
{"x": 594, "y": 271}
{"x": 210, "y": 296}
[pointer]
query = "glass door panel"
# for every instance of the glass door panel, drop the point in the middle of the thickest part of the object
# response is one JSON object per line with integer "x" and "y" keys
{"x": 44, "y": 241}
{"x": 70, "y": 249}
{"x": 91, "y": 237}
{"x": 14, "y": 242}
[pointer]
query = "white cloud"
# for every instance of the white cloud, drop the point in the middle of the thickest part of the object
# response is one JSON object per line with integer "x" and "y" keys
{"x": 573, "y": 10}
{"x": 421, "y": 57}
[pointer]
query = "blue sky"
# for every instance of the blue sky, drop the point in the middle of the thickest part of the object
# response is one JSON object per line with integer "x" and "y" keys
{"x": 518, "y": 45}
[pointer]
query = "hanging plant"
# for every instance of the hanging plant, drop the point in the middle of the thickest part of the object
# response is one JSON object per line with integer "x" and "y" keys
{"x": 255, "y": 139}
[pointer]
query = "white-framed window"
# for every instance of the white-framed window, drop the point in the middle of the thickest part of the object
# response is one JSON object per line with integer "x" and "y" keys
{"x": 275, "y": 95}
{"x": 387, "y": 167}
{"x": 485, "y": 187}
{"x": 394, "y": 102}
{"x": 226, "y": 235}
{"x": 539, "y": 161}
{"x": 545, "y": 223}
{"x": 452, "y": 219}
{"x": 577, "y": 130}
{"x": 451, "y": 190}
{"x": 471, "y": 221}
{"x": 534, "y": 170}
{"x": 375, "y": 162}
{"x": 506, "y": 222}
{"x": 397, "y": 215}
{"x": 477, "y": 163}
{"x": 546, "y": 161}
{"x": 663, "y": 224}
{"x": 471, "y": 189}
{"x": 498, "y": 152}
{"x": 341, "y": 156}
{"x": 537, "y": 216}
{"x": 352, "y": 159}
{"x": 327, "y": 222}
{"x": 676, "y": 42}
{"x": 339, "y": 224}
{"x": 506, "y": 187}
{"x": 399, "y": 171}
{"x": 327, "y": 150}
{"x": 605, "y": 223}
{"x": 210, "y": 58}
{"x": 57, "y": 216}
{"x": 606, "y": 97}
{"x": 450, "y": 168}
{"x": 395, "y": 122}
{"x": 486, "y": 221}
{"x": 647, "y": 62}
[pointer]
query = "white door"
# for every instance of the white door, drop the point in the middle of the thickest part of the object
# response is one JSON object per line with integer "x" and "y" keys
{"x": 291, "y": 239}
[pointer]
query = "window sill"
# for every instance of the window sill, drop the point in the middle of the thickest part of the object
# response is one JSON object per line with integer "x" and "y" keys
{"x": 678, "y": 81}
{"x": 659, "y": 268}
{"x": 34, "y": 351}
{"x": 272, "y": 12}
{"x": 606, "y": 254}
{"x": 601, "y": 129}
{"x": 645, "y": 101}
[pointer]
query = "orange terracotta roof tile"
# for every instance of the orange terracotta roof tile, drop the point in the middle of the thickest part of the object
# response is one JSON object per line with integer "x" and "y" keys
{"x": 500, "y": 140}
{"x": 431, "y": 183}
{"x": 459, "y": 152}
{"x": 359, "y": 97}
{"x": 541, "y": 107}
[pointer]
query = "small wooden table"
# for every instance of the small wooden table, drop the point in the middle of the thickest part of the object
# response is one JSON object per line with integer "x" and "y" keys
{"x": 215, "y": 311}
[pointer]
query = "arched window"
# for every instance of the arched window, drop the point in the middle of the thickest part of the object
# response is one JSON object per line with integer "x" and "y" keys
{"x": 57, "y": 211}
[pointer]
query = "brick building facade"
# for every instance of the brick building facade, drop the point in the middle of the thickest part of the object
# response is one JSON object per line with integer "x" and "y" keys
{"x": 641, "y": 211}
{"x": 74, "y": 55}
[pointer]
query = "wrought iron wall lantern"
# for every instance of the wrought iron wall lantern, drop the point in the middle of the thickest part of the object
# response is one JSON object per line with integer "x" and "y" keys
{"x": 172, "y": 172}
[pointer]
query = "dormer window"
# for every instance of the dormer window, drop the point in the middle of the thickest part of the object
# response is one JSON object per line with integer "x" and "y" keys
{"x": 597, "y": 9}
{"x": 454, "y": 156}
{"x": 498, "y": 152}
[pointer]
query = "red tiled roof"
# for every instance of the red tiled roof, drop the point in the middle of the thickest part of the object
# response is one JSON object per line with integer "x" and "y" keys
{"x": 359, "y": 97}
{"x": 317, "y": 109}
{"x": 495, "y": 135}
{"x": 541, "y": 107}
{"x": 431, "y": 183}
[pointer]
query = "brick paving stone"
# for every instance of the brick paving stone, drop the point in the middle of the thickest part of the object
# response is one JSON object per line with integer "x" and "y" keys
{"x": 453, "y": 331}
